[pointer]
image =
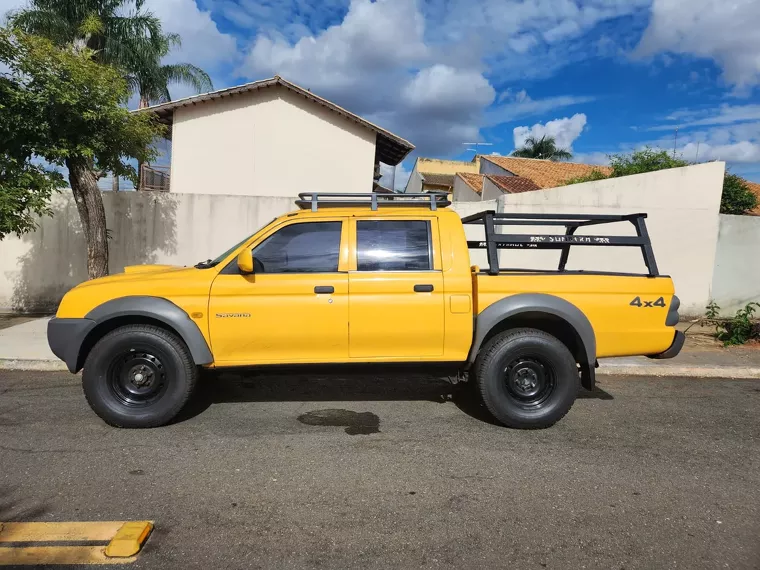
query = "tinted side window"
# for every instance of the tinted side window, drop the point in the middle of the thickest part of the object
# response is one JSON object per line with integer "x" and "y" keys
{"x": 311, "y": 247}
{"x": 393, "y": 245}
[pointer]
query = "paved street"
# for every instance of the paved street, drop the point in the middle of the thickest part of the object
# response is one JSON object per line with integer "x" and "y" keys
{"x": 362, "y": 472}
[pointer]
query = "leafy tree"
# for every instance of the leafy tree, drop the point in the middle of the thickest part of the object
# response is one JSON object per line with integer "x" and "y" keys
{"x": 545, "y": 147}
{"x": 118, "y": 33}
{"x": 645, "y": 160}
{"x": 62, "y": 107}
{"x": 638, "y": 162}
{"x": 737, "y": 198}
{"x": 25, "y": 187}
{"x": 592, "y": 176}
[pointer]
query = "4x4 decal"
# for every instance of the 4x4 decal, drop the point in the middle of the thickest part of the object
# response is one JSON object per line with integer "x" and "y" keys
{"x": 637, "y": 302}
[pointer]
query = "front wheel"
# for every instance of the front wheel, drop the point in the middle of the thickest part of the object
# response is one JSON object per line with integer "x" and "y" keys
{"x": 138, "y": 376}
{"x": 527, "y": 378}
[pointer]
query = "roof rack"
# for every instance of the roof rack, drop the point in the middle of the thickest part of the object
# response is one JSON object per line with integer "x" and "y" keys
{"x": 495, "y": 241}
{"x": 316, "y": 200}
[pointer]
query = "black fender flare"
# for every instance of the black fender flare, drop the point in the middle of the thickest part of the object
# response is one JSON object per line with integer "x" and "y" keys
{"x": 514, "y": 305}
{"x": 159, "y": 309}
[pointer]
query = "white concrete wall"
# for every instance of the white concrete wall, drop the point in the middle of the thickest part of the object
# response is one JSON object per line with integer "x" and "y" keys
{"x": 682, "y": 205}
{"x": 36, "y": 270}
{"x": 463, "y": 192}
{"x": 736, "y": 279}
{"x": 269, "y": 143}
{"x": 181, "y": 229}
{"x": 475, "y": 232}
{"x": 414, "y": 184}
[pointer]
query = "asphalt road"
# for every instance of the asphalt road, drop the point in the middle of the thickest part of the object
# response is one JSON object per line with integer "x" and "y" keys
{"x": 646, "y": 473}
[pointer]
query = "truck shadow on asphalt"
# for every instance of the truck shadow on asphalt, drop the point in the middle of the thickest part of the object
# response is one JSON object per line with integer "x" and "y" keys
{"x": 15, "y": 506}
{"x": 251, "y": 386}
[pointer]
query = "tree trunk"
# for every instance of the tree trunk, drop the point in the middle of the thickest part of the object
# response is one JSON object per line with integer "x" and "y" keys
{"x": 115, "y": 183}
{"x": 144, "y": 102}
{"x": 92, "y": 214}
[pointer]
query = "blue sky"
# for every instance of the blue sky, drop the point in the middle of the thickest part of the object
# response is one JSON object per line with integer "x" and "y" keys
{"x": 602, "y": 76}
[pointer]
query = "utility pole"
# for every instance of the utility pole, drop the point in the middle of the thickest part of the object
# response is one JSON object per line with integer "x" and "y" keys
{"x": 675, "y": 143}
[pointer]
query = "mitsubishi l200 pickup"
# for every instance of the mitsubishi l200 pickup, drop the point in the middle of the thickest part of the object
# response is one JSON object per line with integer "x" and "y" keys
{"x": 371, "y": 279}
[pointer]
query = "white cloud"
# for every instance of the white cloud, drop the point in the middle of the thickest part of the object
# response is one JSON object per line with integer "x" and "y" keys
{"x": 565, "y": 131}
{"x": 373, "y": 39}
{"x": 512, "y": 106}
{"x": 444, "y": 87}
{"x": 376, "y": 63}
{"x": 723, "y": 115}
{"x": 742, "y": 151}
{"x": 202, "y": 42}
{"x": 722, "y": 30}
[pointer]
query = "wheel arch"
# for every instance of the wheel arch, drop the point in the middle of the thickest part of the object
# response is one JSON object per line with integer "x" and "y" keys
{"x": 144, "y": 309}
{"x": 548, "y": 313}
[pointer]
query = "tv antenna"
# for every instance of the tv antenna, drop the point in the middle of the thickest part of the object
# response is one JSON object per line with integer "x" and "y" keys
{"x": 476, "y": 145}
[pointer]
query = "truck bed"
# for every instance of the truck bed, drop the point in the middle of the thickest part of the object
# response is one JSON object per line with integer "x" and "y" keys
{"x": 628, "y": 313}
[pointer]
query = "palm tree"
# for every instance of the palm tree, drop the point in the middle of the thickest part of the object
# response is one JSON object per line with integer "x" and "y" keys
{"x": 104, "y": 26}
{"x": 150, "y": 79}
{"x": 545, "y": 147}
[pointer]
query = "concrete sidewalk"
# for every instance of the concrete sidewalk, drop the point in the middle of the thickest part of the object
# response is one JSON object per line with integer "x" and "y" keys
{"x": 24, "y": 347}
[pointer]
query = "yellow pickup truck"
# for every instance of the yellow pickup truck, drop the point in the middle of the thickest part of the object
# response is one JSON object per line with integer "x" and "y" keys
{"x": 370, "y": 279}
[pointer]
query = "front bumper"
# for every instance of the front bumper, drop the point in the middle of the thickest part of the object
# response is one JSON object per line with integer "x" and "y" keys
{"x": 65, "y": 338}
{"x": 678, "y": 339}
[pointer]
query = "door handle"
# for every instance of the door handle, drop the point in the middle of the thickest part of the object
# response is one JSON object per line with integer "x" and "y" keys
{"x": 324, "y": 289}
{"x": 423, "y": 288}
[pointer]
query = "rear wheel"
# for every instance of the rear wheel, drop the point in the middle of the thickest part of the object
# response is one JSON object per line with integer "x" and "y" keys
{"x": 138, "y": 376}
{"x": 527, "y": 378}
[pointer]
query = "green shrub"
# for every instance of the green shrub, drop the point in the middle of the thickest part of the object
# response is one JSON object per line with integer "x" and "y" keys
{"x": 738, "y": 329}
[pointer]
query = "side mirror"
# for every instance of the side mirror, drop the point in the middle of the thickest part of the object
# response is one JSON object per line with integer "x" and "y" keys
{"x": 245, "y": 262}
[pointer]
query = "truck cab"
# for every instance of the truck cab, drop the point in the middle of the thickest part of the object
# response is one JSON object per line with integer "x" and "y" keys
{"x": 362, "y": 279}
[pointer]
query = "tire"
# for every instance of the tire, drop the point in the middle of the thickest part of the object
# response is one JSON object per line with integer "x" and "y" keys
{"x": 138, "y": 376}
{"x": 527, "y": 378}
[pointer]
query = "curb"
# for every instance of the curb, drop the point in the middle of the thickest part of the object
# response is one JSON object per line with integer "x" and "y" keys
{"x": 671, "y": 371}
{"x": 40, "y": 364}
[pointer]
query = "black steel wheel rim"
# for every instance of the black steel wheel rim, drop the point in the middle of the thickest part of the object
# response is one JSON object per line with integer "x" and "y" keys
{"x": 137, "y": 378}
{"x": 529, "y": 381}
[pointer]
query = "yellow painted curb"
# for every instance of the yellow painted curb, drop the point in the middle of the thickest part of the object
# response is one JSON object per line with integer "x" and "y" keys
{"x": 129, "y": 539}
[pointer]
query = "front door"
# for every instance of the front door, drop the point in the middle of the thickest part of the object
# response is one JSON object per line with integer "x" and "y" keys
{"x": 294, "y": 307}
{"x": 396, "y": 308}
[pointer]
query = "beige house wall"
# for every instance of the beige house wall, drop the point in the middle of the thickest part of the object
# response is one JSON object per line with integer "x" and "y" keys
{"x": 268, "y": 143}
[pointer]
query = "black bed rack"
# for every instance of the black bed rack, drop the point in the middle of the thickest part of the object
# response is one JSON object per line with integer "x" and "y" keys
{"x": 495, "y": 241}
{"x": 316, "y": 200}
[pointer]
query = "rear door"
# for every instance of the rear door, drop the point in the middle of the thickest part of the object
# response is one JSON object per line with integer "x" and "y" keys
{"x": 396, "y": 307}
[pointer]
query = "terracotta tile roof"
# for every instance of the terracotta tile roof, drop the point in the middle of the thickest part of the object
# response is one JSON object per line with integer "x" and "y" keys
{"x": 514, "y": 184}
{"x": 438, "y": 179}
{"x": 474, "y": 181}
{"x": 545, "y": 173}
{"x": 755, "y": 187}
